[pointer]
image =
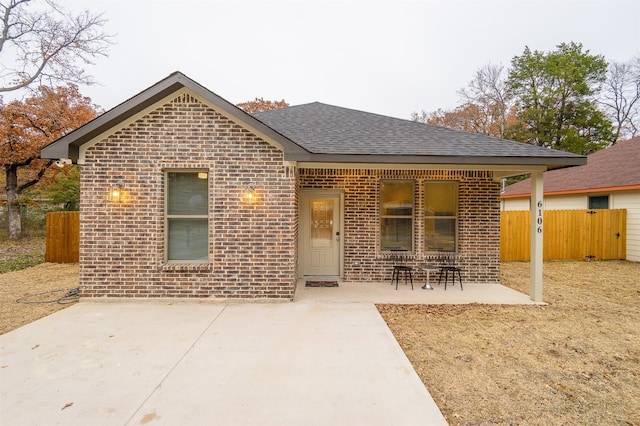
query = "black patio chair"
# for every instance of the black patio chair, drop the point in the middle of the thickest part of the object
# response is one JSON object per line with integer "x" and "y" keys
{"x": 448, "y": 267}
{"x": 398, "y": 258}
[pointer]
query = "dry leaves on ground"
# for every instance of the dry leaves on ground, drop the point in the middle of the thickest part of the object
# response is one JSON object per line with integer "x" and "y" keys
{"x": 574, "y": 361}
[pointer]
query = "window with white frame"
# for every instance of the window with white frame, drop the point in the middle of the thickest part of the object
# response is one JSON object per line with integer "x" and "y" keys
{"x": 187, "y": 215}
{"x": 396, "y": 215}
{"x": 440, "y": 215}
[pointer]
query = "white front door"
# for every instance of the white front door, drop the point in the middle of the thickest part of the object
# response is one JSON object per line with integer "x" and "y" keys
{"x": 320, "y": 239}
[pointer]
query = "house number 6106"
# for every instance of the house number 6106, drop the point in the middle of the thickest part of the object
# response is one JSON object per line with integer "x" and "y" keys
{"x": 539, "y": 219}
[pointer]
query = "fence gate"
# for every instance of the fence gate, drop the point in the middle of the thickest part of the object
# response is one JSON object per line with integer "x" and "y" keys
{"x": 608, "y": 236}
{"x": 63, "y": 237}
{"x": 568, "y": 234}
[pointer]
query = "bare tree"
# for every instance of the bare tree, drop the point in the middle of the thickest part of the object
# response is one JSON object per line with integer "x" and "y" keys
{"x": 422, "y": 117}
{"x": 486, "y": 106}
{"x": 43, "y": 44}
{"x": 489, "y": 93}
{"x": 621, "y": 97}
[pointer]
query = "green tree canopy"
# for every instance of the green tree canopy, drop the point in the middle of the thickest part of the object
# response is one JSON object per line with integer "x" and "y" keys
{"x": 556, "y": 94}
{"x": 62, "y": 188}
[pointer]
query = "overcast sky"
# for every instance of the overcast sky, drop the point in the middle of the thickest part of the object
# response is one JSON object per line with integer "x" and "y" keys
{"x": 387, "y": 57}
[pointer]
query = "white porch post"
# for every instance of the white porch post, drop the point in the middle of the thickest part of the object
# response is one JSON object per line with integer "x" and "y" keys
{"x": 537, "y": 206}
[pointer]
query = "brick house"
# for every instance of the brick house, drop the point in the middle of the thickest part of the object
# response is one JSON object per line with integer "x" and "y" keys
{"x": 185, "y": 195}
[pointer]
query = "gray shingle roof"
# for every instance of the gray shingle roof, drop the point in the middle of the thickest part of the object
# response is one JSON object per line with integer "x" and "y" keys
{"x": 320, "y": 133}
{"x": 327, "y": 129}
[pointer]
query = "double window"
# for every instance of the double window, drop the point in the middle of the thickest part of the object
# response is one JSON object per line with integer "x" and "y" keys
{"x": 397, "y": 206}
{"x": 187, "y": 216}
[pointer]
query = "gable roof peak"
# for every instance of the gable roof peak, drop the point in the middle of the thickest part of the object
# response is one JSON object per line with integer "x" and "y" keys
{"x": 69, "y": 146}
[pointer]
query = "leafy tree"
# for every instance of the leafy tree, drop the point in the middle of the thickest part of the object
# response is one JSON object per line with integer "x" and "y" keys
{"x": 47, "y": 45}
{"x": 62, "y": 187}
{"x": 621, "y": 98}
{"x": 259, "y": 105}
{"x": 556, "y": 95}
{"x": 25, "y": 128}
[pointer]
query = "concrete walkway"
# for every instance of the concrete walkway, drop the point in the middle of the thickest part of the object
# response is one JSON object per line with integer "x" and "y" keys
{"x": 310, "y": 363}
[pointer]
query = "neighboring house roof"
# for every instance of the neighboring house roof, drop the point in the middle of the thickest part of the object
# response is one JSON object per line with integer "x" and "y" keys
{"x": 613, "y": 168}
{"x": 323, "y": 133}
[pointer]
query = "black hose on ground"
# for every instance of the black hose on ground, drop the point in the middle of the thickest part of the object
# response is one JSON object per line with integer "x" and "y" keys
{"x": 69, "y": 297}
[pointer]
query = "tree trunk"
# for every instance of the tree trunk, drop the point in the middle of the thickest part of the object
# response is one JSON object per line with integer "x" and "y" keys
{"x": 13, "y": 205}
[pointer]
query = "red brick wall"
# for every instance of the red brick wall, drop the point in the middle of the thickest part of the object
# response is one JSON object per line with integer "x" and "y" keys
{"x": 478, "y": 220}
{"x": 252, "y": 246}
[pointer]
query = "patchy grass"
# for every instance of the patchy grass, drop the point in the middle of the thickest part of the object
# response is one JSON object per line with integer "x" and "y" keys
{"x": 22, "y": 253}
{"x": 575, "y": 361}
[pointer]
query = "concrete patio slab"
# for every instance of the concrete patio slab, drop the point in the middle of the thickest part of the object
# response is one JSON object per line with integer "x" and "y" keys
{"x": 242, "y": 364}
{"x": 383, "y": 292}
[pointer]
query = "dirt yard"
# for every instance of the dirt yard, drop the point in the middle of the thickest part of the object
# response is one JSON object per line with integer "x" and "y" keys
{"x": 575, "y": 361}
{"x": 33, "y": 293}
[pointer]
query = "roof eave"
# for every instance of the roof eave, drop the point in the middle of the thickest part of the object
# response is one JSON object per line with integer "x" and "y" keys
{"x": 589, "y": 190}
{"x": 548, "y": 162}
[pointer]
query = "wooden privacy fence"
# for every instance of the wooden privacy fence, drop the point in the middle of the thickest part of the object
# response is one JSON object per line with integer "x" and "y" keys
{"x": 63, "y": 237}
{"x": 568, "y": 234}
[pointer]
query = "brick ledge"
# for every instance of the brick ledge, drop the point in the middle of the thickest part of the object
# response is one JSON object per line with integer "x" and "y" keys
{"x": 186, "y": 267}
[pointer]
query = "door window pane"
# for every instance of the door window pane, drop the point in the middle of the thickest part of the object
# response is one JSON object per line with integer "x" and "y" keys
{"x": 396, "y": 215}
{"x": 321, "y": 223}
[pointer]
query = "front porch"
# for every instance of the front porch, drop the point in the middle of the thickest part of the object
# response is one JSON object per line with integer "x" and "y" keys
{"x": 384, "y": 292}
